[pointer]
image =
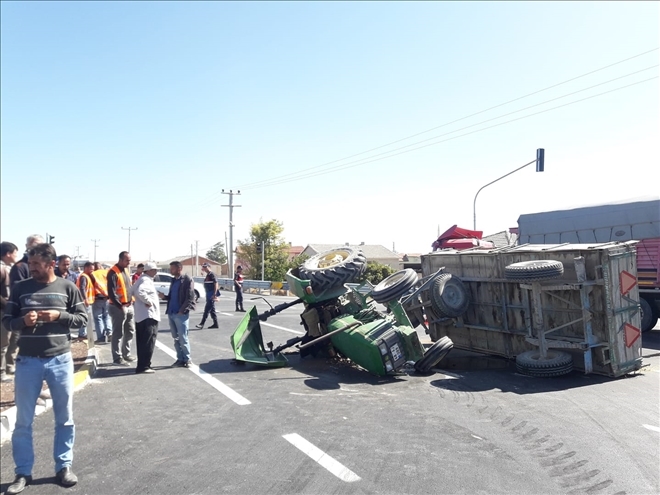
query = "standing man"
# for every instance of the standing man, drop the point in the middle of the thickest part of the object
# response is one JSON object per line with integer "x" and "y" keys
{"x": 238, "y": 287}
{"x": 138, "y": 273}
{"x": 63, "y": 268}
{"x": 44, "y": 309}
{"x": 121, "y": 309}
{"x": 100, "y": 310}
{"x": 180, "y": 301}
{"x": 86, "y": 287}
{"x": 147, "y": 316}
{"x": 20, "y": 270}
{"x": 9, "y": 340}
{"x": 211, "y": 289}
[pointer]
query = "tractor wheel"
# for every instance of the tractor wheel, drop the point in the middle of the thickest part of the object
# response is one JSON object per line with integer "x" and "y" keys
{"x": 333, "y": 268}
{"x": 449, "y": 296}
{"x": 434, "y": 355}
{"x": 533, "y": 271}
{"x": 556, "y": 364}
{"x": 394, "y": 286}
{"x": 649, "y": 320}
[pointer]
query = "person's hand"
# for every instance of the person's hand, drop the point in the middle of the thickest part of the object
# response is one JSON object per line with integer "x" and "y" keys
{"x": 161, "y": 295}
{"x": 215, "y": 298}
{"x": 48, "y": 315}
{"x": 147, "y": 304}
{"x": 30, "y": 319}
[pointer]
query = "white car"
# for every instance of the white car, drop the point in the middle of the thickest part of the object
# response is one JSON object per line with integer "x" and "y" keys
{"x": 162, "y": 282}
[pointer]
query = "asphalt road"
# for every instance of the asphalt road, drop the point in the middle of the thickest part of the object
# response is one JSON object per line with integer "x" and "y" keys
{"x": 323, "y": 426}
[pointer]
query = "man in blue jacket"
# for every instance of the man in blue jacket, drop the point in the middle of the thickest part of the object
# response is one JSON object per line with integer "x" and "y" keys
{"x": 180, "y": 301}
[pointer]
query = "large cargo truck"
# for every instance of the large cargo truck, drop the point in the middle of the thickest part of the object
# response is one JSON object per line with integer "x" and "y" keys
{"x": 636, "y": 220}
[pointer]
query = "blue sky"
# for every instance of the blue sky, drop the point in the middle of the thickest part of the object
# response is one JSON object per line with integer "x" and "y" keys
{"x": 123, "y": 114}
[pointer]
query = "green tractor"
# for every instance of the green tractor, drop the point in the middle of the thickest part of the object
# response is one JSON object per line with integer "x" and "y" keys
{"x": 347, "y": 320}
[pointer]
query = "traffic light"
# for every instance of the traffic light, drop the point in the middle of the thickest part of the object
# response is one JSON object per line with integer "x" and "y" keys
{"x": 51, "y": 239}
{"x": 260, "y": 247}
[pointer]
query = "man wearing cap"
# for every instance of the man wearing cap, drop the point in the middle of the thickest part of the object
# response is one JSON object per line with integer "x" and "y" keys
{"x": 147, "y": 316}
{"x": 238, "y": 287}
{"x": 211, "y": 288}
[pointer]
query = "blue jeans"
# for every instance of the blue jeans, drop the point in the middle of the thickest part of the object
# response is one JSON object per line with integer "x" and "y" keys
{"x": 102, "y": 323}
{"x": 30, "y": 374}
{"x": 83, "y": 330}
{"x": 179, "y": 329}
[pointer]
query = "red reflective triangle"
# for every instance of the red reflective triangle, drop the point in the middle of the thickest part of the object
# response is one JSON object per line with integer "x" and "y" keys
{"x": 626, "y": 282}
{"x": 631, "y": 333}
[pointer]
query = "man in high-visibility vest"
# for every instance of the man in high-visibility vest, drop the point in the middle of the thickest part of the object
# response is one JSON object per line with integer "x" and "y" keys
{"x": 86, "y": 288}
{"x": 100, "y": 310}
{"x": 121, "y": 309}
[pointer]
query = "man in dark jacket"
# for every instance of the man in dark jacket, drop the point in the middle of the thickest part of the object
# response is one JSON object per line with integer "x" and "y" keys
{"x": 180, "y": 301}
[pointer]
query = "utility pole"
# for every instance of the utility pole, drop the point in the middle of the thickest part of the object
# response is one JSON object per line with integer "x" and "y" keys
{"x": 263, "y": 253}
{"x": 226, "y": 254}
{"x": 95, "y": 246}
{"x": 129, "y": 235}
{"x": 196, "y": 257}
{"x": 231, "y": 207}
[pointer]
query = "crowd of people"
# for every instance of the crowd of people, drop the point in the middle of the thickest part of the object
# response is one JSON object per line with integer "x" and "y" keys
{"x": 43, "y": 301}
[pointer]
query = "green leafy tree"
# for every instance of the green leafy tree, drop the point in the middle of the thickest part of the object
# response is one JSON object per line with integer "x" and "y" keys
{"x": 275, "y": 251}
{"x": 217, "y": 253}
{"x": 376, "y": 272}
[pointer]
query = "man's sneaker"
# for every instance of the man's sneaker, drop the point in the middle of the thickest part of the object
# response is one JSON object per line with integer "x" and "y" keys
{"x": 6, "y": 378}
{"x": 187, "y": 364}
{"x": 149, "y": 370}
{"x": 201, "y": 325}
{"x": 120, "y": 362}
{"x": 177, "y": 364}
{"x": 129, "y": 359}
{"x": 66, "y": 477}
{"x": 144, "y": 370}
{"x": 215, "y": 325}
{"x": 19, "y": 484}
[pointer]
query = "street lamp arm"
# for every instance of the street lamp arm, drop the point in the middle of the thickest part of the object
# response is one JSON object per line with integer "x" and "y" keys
{"x": 474, "y": 204}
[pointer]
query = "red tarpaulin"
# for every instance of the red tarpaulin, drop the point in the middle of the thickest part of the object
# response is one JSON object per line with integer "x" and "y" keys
{"x": 458, "y": 238}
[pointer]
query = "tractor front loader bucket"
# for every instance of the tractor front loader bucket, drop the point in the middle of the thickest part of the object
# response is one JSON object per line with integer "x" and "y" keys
{"x": 248, "y": 343}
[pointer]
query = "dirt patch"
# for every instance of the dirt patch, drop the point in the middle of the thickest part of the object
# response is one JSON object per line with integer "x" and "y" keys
{"x": 79, "y": 352}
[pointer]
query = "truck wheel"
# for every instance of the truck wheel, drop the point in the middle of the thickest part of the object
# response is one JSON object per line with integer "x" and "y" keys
{"x": 333, "y": 268}
{"x": 434, "y": 355}
{"x": 449, "y": 296}
{"x": 533, "y": 271}
{"x": 649, "y": 320}
{"x": 556, "y": 364}
{"x": 394, "y": 286}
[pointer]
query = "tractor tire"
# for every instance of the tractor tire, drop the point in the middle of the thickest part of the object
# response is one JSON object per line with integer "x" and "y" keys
{"x": 434, "y": 355}
{"x": 333, "y": 268}
{"x": 449, "y": 297}
{"x": 649, "y": 320}
{"x": 394, "y": 286}
{"x": 530, "y": 363}
{"x": 533, "y": 271}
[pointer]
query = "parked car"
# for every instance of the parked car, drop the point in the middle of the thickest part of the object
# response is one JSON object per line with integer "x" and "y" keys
{"x": 162, "y": 282}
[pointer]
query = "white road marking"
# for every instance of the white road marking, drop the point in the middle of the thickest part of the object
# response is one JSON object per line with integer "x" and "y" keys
{"x": 478, "y": 438}
{"x": 297, "y": 332}
{"x": 226, "y": 314}
{"x": 331, "y": 464}
{"x": 214, "y": 382}
{"x": 652, "y": 428}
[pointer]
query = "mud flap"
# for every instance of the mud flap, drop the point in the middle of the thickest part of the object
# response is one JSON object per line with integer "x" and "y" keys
{"x": 248, "y": 343}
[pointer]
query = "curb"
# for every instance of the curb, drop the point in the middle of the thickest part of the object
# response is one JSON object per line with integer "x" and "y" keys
{"x": 80, "y": 378}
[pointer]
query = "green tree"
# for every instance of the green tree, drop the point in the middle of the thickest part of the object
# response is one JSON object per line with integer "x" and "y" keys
{"x": 376, "y": 272}
{"x": 217, "y": 253}
{"x": 276, "y": 251}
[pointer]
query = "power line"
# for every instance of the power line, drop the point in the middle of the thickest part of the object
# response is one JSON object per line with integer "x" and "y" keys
{"x": 358, "y": 162}
{"x": 251, "y": 184}
{"x": 368, "y": 160}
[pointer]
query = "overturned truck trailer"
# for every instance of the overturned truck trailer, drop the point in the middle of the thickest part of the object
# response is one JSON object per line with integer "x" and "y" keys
{"x": 552, "y": 307}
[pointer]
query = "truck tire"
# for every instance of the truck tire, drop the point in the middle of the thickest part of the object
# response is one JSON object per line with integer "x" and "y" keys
{"x": 434, "y": 355}
{"x": 333, "y": 268}
{"x": 449, "y": 296}
{"x": 649, "y": 319}
{"x": 557, "y": 363}
{"x": 394, "y": 286}
{"x": 533, "y": 271}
